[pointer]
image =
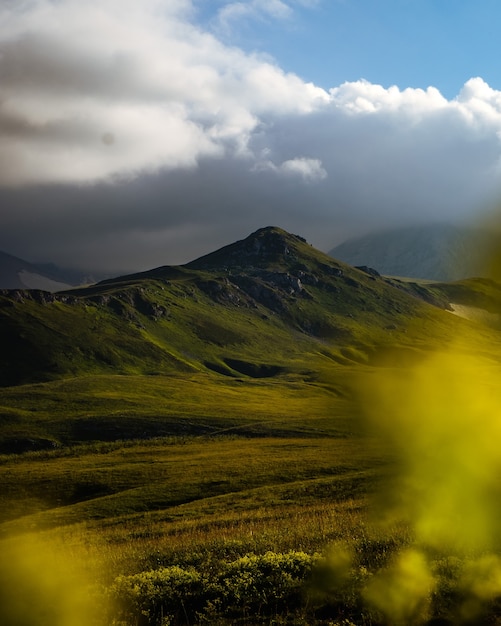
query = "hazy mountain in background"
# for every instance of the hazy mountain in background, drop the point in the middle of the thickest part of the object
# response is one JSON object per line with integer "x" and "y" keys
{"x": 434, "y": 251}
{"x": 16, "y": 273}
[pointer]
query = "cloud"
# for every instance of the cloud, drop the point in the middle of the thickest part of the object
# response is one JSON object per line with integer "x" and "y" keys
{"x": 169, "y": 94}
{"x": 233, "y": 13}
{"x": 302, "y": 167}
{"x": 125, "y": 124}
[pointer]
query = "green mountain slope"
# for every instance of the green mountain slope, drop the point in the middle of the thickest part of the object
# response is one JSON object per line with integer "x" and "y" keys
{"x": 247, "y": 309}
{"x": 197, "y": 416}
{"x": 252, "y": 326}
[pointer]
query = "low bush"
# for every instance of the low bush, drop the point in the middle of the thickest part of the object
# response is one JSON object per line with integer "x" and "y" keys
{"x": 264, "y": 584}
{"x": 298, "y": 589}
{"x": 169, "y": 595}
{"x": 258, "y": 585}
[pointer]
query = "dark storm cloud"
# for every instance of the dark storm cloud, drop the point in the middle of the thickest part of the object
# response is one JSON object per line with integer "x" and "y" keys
{"x": 152, "y": 220}
{"x": 129, "y": 138}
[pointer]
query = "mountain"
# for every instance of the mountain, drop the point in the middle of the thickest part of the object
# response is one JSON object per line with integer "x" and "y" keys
{"x": 189, "y": 415}
{"x": 434, "y": 251}
{"x": 15, "y": 273}
{"x": 264, "y": 326}
{"x": 249, "y": 309}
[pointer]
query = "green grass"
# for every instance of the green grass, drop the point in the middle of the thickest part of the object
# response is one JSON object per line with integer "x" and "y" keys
{"x": 276, "y": 473}
{"x": 197, "y": 503}
{"x": 255, "y": 477}
{"x": 124, "y": 407}
{"x": 206, "y": 317}
{"x": 157, "y": 476}
{"x": 231, "y": 466}
{"x": 192, "y": 440}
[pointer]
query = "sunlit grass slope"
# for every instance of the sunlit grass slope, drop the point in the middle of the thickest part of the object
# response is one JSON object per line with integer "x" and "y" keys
{"x": 107, "y": 408}
{"x": 200, "y": 427}
{"x": 259, "y": 309}
{"x": 200, "y": 474}
{"x": 181, "y": 350}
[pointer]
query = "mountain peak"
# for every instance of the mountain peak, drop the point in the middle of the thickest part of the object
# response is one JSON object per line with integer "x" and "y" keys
{"x": 267, "y": 246}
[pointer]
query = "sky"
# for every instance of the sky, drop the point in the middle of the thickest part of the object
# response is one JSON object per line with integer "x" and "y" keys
{"x": 140, "y": 133}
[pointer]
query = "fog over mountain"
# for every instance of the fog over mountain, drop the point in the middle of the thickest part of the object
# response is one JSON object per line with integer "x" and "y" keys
{"x": 434, "y": 251}
{"x": 16, "y": 273}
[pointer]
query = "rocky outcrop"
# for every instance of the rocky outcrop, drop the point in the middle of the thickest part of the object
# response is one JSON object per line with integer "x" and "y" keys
{"x": 261, "y": 292}
{"x": 223, "y": 292}
{"x": 262, "y": 247}
{"x": 34, "y": 295}
{"x": 128, "y": 303}
{"x": 368, "y": 270}
{"x": 272, "y": 290}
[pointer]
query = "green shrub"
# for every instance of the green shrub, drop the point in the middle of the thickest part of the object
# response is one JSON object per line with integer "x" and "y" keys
{"x": 257, "y": 585}
{"x": 163, "y": 596}
{"x": 264, "y": 584}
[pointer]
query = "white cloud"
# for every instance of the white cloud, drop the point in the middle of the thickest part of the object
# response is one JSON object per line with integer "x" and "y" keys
{"x": 193, "y": 132}
{"x": 309, "y": 170}
{"x": 364, "y": 97}
{"x": 234, "y": 12}
{"x": 307, "y": 3}
{"x": 170, "y": 93}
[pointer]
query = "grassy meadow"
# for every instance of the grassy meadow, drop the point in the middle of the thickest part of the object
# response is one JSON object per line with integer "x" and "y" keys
{"x": 262, "y": 508}
{"x": 255, "y": 467}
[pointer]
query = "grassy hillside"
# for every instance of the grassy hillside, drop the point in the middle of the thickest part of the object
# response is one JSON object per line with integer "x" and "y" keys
{"x": 254, "y": 310}
{"x": 192, "y": 438}
{"x": 266, "y": 315}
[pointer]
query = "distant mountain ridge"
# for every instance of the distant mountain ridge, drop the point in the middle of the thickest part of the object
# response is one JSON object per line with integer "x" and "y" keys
{"x": 441, "y": 252}
{"x": 16, "y": 273}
